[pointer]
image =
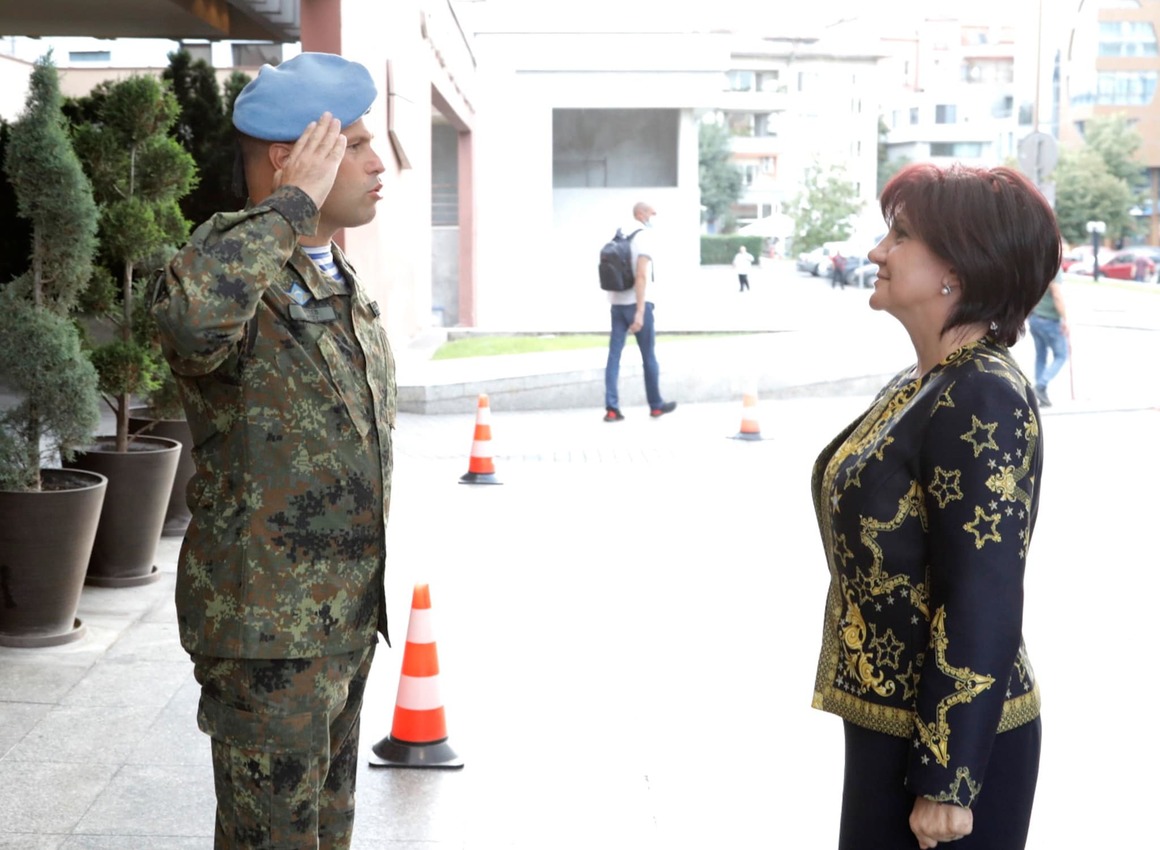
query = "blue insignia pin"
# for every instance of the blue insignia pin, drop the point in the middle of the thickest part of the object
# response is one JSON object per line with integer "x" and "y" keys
{"x": 298, "y": 294}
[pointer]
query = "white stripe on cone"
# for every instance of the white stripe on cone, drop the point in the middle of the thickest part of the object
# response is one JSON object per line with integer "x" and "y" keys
{"x": 421, "y": 627}
{"x": 481, "y": 449}
{"x": 419, "y": 693}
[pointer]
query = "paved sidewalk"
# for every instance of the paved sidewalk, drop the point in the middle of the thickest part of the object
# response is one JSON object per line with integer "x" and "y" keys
{"x": 627, "y": 630}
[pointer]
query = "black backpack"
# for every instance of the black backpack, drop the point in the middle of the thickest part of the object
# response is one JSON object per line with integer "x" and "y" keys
{"x": 616, "y": 271}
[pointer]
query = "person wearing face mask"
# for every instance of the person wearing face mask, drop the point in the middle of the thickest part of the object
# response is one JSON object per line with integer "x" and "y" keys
{"x": 926, "y": 505}
{"x": 632, "y": 311}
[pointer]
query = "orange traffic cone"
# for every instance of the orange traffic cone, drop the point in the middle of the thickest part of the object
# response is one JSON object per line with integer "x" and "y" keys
{"x": 481, "y": 469}
{"x": 750, "y": 430}
{"x": 419, "y": 732}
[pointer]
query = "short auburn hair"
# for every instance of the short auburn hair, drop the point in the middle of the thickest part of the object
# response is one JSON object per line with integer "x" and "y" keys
{"x": 995, "y": 229}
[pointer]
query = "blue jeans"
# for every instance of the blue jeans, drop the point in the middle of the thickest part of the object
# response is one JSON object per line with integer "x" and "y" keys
{"x": 646, "y": 339}
{"x": 1048, "y": 336}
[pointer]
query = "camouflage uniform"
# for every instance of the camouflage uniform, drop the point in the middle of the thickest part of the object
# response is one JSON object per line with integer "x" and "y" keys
{"x": 288, "y": 385}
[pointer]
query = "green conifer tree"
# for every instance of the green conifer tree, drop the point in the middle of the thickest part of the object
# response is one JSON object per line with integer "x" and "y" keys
{"x": 41, "y": 358}
{"x": 139, "y": 173}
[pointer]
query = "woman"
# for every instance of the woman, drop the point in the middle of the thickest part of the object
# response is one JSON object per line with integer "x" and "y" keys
{"x": 926, "y": 506}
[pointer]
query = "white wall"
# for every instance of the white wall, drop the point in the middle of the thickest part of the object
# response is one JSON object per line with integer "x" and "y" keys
{"x": 14, "y": 74}
{"x": 538, "y": 246}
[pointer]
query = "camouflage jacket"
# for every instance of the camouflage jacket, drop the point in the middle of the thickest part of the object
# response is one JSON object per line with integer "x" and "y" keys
{"x": 288, "y": 385}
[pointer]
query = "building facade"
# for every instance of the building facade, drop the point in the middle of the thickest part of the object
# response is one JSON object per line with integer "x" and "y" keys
{"x": 1111, "y": 63}
{"x": 794, "y": 101}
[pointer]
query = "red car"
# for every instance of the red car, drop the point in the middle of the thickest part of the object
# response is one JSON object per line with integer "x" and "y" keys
{"x": 1125, "y": 264}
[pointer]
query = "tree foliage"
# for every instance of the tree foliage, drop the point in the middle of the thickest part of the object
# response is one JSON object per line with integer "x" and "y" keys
{"x": 719, "y": 179}
{"x": 139, "y": 174}
{"x": 205, "y": 129}
{"x": 41, "y": 354}
{"x": 1117, "y": 142}
{"x": 1086, "y": 190}
{"x": 824, "y": 208}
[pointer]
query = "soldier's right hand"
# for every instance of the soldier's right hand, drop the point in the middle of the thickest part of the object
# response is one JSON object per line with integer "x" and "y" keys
{"x": 313, "y": 161}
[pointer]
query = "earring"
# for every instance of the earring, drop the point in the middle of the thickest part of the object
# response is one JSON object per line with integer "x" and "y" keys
{"x": 946, "y": 289}
{"x": 994, "y": 326}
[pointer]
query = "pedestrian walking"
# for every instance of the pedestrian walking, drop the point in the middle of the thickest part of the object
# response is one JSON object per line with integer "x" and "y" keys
{"x": 927, "y": 505}
{"x": 1049, "y": 332}
{"x": 289, "y": 388}
{"x": 632, "y": 312}
{"x": 742, "y": 263}
{"x": 837, "y": 271}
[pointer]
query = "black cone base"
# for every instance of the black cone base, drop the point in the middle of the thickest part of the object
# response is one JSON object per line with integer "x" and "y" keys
{"x": 479, "y": 478}
{"x": 748, "y": 435}
{"x": 392, "y": 753}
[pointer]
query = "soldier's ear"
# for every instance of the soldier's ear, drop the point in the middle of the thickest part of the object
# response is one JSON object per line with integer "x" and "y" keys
{"x": 279, "y": 153}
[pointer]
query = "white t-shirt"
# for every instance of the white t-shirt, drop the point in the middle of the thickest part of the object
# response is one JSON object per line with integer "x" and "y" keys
{"x": 642, "y": 246}
{"x": 742, "y": 263}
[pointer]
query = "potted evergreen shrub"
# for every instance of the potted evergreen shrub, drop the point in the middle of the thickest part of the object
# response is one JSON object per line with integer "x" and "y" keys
{"x": 204, "y": 128}
{"x": 138, "y": 172}
{"x": 50, "y": 515}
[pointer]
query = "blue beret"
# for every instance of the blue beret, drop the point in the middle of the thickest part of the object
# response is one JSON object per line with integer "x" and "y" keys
{"x": 283, "y": 99}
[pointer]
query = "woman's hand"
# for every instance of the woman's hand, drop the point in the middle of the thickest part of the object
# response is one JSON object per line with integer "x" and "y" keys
{"x": 933, "y": 822}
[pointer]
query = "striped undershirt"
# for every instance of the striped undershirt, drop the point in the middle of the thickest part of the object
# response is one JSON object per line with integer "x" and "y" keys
{"x": 324, "y": 259}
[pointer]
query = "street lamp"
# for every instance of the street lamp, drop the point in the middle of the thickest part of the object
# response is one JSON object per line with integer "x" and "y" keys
{"x": 1096, "y": 229}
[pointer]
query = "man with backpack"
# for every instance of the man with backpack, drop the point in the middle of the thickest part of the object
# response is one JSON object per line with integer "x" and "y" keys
{"x": 628, "y": 276}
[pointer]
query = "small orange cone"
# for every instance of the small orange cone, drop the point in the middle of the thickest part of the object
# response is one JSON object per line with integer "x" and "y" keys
{"x": 419, "y": 732}
{"x": 750, "y": 430}
{"x": 481, "y": 468}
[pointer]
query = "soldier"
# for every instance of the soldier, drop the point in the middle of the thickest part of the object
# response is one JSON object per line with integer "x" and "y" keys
{"x": 288, "y": 384}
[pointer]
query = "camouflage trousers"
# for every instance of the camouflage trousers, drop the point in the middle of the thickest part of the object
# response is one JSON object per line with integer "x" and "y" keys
{"x": 285, "y": 748}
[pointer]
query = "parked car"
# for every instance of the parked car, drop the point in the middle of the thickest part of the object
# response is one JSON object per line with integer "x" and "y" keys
{"x": 863, "y": 276}
{"x": 817, "y": 261}
{"x": 1121, "y": 264}
{"x": 1079, "y": 256}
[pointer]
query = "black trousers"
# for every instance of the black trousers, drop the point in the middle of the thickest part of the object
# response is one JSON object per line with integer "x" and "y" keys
{"x": 876, "y": 805}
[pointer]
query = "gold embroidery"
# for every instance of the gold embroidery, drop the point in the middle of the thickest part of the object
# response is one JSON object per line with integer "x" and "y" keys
{"x": 962, "y": 774}
{"x": 879, "y": 582}
{"x": 945, "y": 486}
{"x": 968, "y": 685}
{"x": 857, "y": 661}
{"x": 973, "y": 527}
{"x": 977, "y": 444}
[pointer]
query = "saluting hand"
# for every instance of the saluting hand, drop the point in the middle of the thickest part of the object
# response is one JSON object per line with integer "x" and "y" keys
{"x": 313, "y": 161}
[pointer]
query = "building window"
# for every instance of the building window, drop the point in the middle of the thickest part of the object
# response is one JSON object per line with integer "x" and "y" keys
{"x": 1004, "y": 107}
{"x": 198, "y": 50}
{"x": 769, "y": 81}
{"x": 740, "y": 80}
{"x": 769, "y": 164}
{"x": 740, "y": 123}
{"x": 749, "y": 174}
{"x": 914, "y": 115}
{"x": 1125, "y": 88}
{"x": 762, "y": 125}
{"x": 960, "y": 150}
{"x": 1127, "y": 38}
{"x": 82, "y": 56}
{"x": 255, "y": 55}
{"x": 944, "y": 113}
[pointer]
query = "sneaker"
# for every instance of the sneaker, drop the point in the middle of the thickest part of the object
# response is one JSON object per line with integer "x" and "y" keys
{"x": 611, "y": 414}
{"x": 1041, "y": 396}
{"x": 667, "y": 407}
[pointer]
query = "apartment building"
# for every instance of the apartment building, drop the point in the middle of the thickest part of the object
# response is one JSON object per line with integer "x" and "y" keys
{"x": 792, "y": 101}
{"x": 953, "y": 92}
{"x": 1110, "y": 64}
